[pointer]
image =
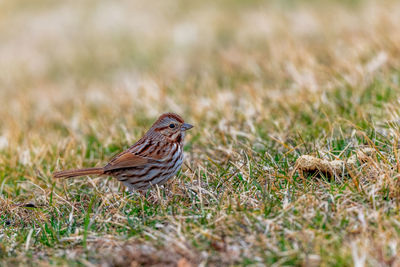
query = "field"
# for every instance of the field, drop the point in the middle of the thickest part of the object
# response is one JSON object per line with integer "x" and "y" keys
{"x": 264, "y": 83}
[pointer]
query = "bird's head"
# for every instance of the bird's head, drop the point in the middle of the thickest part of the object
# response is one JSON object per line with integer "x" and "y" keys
{"x": 171, "y": 126}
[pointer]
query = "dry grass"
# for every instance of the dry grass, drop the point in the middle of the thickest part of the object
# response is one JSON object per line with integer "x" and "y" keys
{"x": 264, "y": 83}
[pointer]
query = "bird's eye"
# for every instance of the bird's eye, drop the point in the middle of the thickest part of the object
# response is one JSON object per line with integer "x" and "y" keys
{"x": 172, "y": 125}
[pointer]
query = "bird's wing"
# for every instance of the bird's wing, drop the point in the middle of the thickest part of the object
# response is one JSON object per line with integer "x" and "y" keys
{"x": 126, "y": 160}
{"x": 136, "y": 155}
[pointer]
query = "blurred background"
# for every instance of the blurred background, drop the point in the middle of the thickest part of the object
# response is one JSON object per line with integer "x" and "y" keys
{"x": 149, "y": 56}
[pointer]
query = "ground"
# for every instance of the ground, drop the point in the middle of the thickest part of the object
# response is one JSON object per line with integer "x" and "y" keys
{"x": 264, "y": 82}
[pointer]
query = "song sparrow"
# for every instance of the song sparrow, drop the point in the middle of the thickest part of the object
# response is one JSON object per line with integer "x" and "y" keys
{"x": 152, "y": 160}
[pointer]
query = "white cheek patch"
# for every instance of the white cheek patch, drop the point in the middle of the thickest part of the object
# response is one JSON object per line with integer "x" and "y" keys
{"x": 175, "y": 135}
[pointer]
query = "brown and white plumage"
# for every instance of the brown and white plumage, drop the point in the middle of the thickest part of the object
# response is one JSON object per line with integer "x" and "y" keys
{"x": 152, "y": 160}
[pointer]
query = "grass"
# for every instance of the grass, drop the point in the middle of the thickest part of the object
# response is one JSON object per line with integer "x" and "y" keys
{"x": 264, "y": 82}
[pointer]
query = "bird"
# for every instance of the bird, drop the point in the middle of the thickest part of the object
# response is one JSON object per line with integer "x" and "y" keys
{"x": 152, "y": 160}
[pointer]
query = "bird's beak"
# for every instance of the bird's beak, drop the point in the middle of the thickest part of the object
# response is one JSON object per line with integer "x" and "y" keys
{"x": 186, "y": 126}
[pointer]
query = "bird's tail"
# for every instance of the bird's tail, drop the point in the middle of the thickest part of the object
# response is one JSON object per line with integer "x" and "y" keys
{"x": 80, "y": 172}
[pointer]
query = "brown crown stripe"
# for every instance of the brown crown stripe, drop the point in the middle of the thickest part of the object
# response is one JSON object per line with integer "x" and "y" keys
{"x": 170, "y": 115}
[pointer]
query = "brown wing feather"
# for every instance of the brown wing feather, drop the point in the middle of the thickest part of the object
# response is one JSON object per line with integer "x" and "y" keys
{"x": 125, "y": 160}
{"x": 137, "y": 155}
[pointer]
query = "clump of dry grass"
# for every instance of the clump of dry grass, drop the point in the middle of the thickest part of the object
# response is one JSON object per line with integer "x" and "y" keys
{"x": 338, "y": 169}
{"x": 265, "y": 83}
